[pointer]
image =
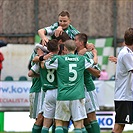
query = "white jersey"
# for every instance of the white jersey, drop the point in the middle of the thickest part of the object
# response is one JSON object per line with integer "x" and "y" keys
{"x": 124, "y": 76}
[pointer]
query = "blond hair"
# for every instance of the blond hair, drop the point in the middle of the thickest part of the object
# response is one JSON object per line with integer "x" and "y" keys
{"x": 70, "y": 45}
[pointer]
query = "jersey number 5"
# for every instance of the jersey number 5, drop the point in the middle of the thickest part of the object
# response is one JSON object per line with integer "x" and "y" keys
{"x": 71, "y": 70}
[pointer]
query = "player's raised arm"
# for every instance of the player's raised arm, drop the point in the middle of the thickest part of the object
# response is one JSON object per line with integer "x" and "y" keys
{"x": 95, "y": 58}
{"x": 42, "y": 34}
{"x": 94, "y": 72}
{"x": 34, "y": 71}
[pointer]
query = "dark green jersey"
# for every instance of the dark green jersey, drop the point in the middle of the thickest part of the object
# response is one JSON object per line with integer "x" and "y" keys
{"x": 48, "y": 77}
{"x": 87, "y": 76}
{"x": 36, "y": 85}
{"x": 70, "y": 75}
{"x": 36, "y": 82}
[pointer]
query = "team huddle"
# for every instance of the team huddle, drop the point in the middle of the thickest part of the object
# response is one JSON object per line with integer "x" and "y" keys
{"x": 62, "y": 87}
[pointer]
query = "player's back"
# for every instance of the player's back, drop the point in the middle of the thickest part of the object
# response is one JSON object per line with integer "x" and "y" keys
{"x": 70, "y": 76}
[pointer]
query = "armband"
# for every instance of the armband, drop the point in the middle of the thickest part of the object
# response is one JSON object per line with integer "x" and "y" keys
{"x": 41, "y": 58}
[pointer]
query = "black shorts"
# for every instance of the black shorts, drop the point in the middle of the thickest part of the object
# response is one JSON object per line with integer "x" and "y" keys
{"x": 124, "y": 112}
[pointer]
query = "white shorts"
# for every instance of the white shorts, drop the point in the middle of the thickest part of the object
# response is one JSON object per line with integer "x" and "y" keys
{"x": 49, "y": 103}
{"x": 67, "y": 109}
{"x": 35, "y": 103}
{"x": 40, "y": 101}
{"x": 91, "y": 101}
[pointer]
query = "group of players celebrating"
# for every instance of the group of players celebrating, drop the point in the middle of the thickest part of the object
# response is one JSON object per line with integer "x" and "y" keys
{"x": 62, "y": 87}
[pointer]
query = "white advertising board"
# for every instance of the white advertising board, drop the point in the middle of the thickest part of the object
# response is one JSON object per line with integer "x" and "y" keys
{"x": 16, "y": 93}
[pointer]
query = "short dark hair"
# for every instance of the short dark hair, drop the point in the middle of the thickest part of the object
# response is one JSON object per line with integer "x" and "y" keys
{"x": 82, "y": 37}
{"x": 52, "y": 45}
{"x": 64, "y": 13}
{"x": 61, "y": 46}
{"x": 128, "y": 36}
{"x": 64, "y": 36}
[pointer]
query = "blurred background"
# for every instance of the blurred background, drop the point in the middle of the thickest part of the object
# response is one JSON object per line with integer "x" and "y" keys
{"x": 102, "y": 20}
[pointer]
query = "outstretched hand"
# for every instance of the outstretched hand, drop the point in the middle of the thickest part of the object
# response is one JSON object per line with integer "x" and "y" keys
{"x": 90, "y": 46}
{"x": 44, "y": 41}
{"x": 58, "y": 31}
{"x": 113, "y": 59}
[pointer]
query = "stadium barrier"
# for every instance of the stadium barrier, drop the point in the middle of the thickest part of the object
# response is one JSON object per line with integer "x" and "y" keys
{"x": 15, "y": 94}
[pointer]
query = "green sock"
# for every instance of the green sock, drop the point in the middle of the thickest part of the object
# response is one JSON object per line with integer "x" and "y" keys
{"x": 45, "y": 130}
{"x": 53, "y": 128}
{"x": 36, "y": 129}
{"x": 89, "y": 128}
{"x": 95, "y": 126}
{"x": 77, "y": 130}
{"x": 84, "y": 130}
{"x": 65, "y": 129}
{"x": 59, "y": 129}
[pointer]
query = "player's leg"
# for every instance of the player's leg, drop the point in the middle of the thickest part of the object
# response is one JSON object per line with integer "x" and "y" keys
{"x": 49, "y": 106}
{"x": 62, "y": 116}
{"x": 91, "y": 105}
{"x": 78, "y": 126}
{"x": 83, "y": 127}
{"x": 47, "y": 123}
{"x": 39, "y": 113}
{"x": 53, "y": 127}
{"x": 118, "y": 128}
{"x": 91, "y": 118}
{"x": 33, "y": 111}
{"x": 37, "y": 127}
{"x": 59, "y": 126}
{"x": 124, "y": 115}
{"x": 65, "y": 126}
{"x": 78, "y": 114}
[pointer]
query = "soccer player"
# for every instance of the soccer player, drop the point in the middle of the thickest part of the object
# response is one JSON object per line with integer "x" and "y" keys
{"x": 91, "y": 104}
{"x": 56, "y": 29}
{"x": 70, "y": 97}
{"x": 124, "y": 84}
{"x": 35, "y": 96}
{"x": 48, "y": 78}
{"x": 49, "y": 86}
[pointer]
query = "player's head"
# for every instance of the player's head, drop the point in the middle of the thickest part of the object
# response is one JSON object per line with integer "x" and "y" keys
{"x": 63, "y": 37}
{"x": 69, "y": 46}
{"x": 40, "y": 49}
{"x": 64, "y": 19}
{"x": 81, "y": 39}
{"x": 52, "y": 45}
{"x": 129, "y": 36}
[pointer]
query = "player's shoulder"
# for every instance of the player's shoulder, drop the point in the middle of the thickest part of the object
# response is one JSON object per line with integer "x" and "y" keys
{"x": 72, "y": 28}
{"x": 53, "y": 26}
{"x": 89, "y": 55}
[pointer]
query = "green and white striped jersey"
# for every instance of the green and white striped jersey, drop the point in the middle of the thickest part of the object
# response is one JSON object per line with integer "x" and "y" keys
{"x": 71, "y": 31}
{"x": 70, "y": 75}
